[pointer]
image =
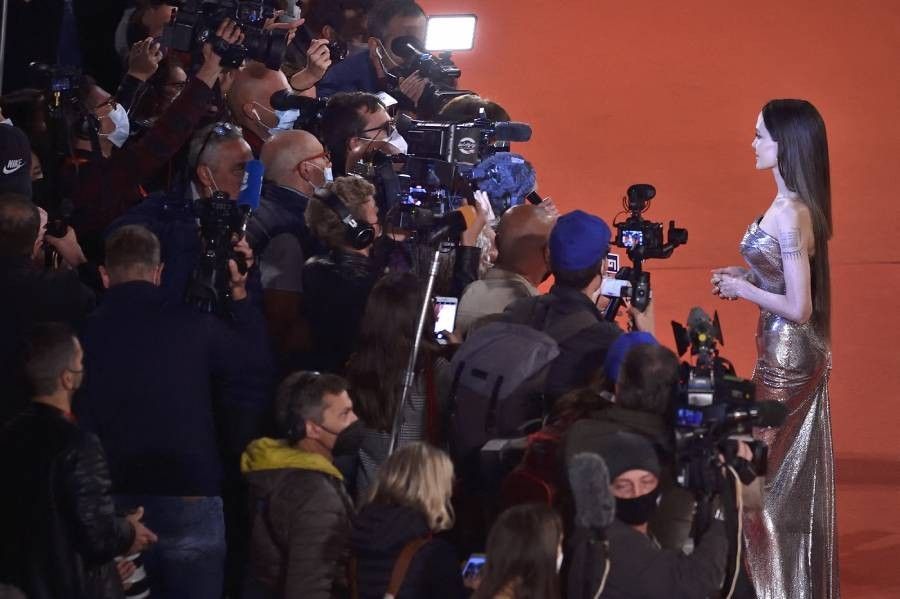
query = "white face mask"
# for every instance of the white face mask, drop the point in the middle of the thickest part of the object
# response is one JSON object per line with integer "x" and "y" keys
{"x": 395, "y": 140}
{"x": 119, "y": 117}
{"x": 285, "y": 118}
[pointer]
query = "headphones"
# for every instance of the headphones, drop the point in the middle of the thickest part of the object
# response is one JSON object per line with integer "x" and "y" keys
{"x": 358, "y": 235}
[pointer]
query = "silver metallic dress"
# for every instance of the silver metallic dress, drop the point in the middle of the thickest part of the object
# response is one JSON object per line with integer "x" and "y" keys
{"x": 792, "y": 541}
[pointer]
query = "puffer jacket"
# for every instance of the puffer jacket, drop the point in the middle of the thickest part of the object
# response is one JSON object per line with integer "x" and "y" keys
{"x": 58, "y": 527}
{"x": 300, "y": 521}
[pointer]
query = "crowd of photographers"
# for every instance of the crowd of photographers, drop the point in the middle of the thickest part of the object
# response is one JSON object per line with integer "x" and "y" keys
{"x": 219, "y": 370}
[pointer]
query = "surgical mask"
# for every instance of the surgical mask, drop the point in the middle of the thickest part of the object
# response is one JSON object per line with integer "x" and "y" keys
{"x": 285, "y": 118}
{"x": 637, "y": 510}
{"x": 119, "y": 117}
{"x": 395, "y": 140}
{"x": 327, "y": 176}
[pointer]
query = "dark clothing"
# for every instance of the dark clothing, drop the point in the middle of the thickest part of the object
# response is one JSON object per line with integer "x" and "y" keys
{"x": 300, "y": 516}
{"x": 380, "y": 532}
{"x": 582, "y": 354}
{"x": 102, "y": 189}
{"x": 31, "y": 296}
{"x": 281, "y": 211}
{"x": 640, "y": 569}
{"x": 335, "y": 290}
{"x": 169, "y": 390}
{"x": 671, "y": 523}
{"x": 171, "y": 217}
{"x": 58, "y": 528}
{"x": 354, "y": 74}
{"x": 456, "y": 271}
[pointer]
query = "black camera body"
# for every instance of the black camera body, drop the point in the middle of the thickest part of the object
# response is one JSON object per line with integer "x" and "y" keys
{"x": 222, "y": 223}
{"x": 642, "y": 238}
{"x": 196, "y": 23}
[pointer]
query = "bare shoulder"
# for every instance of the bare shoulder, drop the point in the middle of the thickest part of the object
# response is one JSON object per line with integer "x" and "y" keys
{"x": 793, "y": 222}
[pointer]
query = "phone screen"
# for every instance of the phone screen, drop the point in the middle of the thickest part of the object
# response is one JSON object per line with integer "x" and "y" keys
{"x": 450, "y": 32}
{"x": 473, "y": 565}
{"x": 444, "y": 314}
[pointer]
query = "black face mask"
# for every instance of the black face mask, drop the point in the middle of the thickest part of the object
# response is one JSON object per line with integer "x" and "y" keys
{"x": 637, "y": 510}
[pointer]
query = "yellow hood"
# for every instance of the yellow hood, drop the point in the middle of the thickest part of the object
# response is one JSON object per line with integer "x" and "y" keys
{"x": 272, "y": 454}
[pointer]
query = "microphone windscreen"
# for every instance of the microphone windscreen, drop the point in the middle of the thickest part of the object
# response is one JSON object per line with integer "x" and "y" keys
{"x": 770, "y": 413}
{"x": 401, "y": 46}
{"x": 595, "y": 506}
{"x": 252, "y": 185}
{"x": 511, "y": 131}
{"x": 698, "y": 319}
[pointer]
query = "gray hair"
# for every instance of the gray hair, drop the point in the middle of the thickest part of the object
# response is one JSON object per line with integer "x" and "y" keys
{"x": 206, "y": 142}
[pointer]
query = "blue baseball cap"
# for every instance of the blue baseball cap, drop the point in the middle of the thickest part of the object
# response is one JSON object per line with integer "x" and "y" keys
{"x": 578, "y": 240}
{"x": 616, "y": 353}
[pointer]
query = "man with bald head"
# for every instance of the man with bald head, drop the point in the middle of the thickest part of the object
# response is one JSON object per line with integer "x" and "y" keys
{"x": 296, "y": 165}
{"x": 248, "y": 100}
{"x": 522, "y": 264}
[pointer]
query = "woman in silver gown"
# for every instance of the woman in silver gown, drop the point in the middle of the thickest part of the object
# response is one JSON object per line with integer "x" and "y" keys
{"x": 791, "y": 542}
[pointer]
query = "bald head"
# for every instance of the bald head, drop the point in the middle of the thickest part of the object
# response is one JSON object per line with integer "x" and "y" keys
{"x": 282, "y": 153}
{"x": 522, "y": 238}
{"x": 253, "y": 86}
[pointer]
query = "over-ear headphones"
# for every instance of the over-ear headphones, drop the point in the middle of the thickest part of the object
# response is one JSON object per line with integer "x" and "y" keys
{"x": 358, "y": 235}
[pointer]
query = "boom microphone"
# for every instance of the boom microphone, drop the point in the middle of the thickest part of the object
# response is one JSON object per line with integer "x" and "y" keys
{"x": 595, "y": 506}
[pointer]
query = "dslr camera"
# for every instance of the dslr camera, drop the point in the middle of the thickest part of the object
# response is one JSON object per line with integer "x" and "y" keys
{"x": 196, "y": 23}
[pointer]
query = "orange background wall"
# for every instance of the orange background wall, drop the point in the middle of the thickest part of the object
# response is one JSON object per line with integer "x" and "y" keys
{"x": 667, "y": 92}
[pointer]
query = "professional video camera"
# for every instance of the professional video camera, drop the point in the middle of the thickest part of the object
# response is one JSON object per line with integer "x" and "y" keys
{"x": 642, "y": 240}
{"x": 309, "y": 110}
{"x": 222, "y": 223}
{"x": 196, "y": 23}
{"x": 715, "y": 404}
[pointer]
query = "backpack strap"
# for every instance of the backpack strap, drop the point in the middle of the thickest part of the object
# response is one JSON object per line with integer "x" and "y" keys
{"x": 401, "y": 566}
{"x": 569, "y": 325}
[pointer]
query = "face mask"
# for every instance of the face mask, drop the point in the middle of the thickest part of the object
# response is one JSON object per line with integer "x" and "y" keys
{"x": 637, "y": 510}
{"x": 559, "y": 560}
{"x": 327, "y": 177}
{"x": 119, "y": 117}
{"x": 395, "y": 140}
{"x": 285, "y": 118}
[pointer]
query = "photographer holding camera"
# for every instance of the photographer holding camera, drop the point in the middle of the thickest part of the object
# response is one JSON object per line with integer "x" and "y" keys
{"x": 579, "y": 244}
{"x": 104, "y": 184}
{"x": 370, "y": 71}
{"x": 217, "y": 157}
{"x": 638, "y": 567}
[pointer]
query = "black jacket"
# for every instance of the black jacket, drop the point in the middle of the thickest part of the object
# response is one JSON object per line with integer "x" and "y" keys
{"x": 58, "y": 528}
{"x": 639, "y": 569}
{"x": 31, "y": 296}
{"x": 581, "y": 355}
{"x": 170, "y": 391}
{"x": 379, "y": 534}
{"x": 335, "y": 289}
{"x": 281, "y": 210}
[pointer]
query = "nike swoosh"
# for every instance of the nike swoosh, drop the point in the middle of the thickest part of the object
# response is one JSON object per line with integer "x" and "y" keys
{"x": 8, "y": 171}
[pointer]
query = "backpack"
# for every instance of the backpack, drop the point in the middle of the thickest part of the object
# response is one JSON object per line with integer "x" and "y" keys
{"x": 500, "y": 373}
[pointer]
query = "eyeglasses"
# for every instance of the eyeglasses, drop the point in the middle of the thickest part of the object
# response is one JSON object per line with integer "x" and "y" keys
{"x": 222, "y": 129}
{"x": 387, "y": 127}
{"x": 324, "y": 155}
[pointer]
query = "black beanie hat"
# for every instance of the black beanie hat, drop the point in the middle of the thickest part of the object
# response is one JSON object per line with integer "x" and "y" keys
{"x": 626, "y": 451}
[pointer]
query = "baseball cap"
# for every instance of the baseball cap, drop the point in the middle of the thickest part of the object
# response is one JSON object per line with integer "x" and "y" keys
{"x": 578, "y": 240}
{"x": 15, "y": 161}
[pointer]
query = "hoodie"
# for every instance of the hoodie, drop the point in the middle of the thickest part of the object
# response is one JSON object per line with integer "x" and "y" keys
{"x": 300, "y": 520}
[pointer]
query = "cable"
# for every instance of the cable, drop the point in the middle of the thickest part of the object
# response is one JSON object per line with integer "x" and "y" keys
{"x": 739, "y": 497}
{"x": 605, "y": 572}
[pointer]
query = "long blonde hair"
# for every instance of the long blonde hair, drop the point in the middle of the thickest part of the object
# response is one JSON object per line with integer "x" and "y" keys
{"x": 421, "y": 477}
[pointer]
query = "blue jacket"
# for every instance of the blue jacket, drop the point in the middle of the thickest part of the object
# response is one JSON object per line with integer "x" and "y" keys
{"x": 171, "y": 217}
{"x": 171, "y": 392}
{"x": 355, "y": 74}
